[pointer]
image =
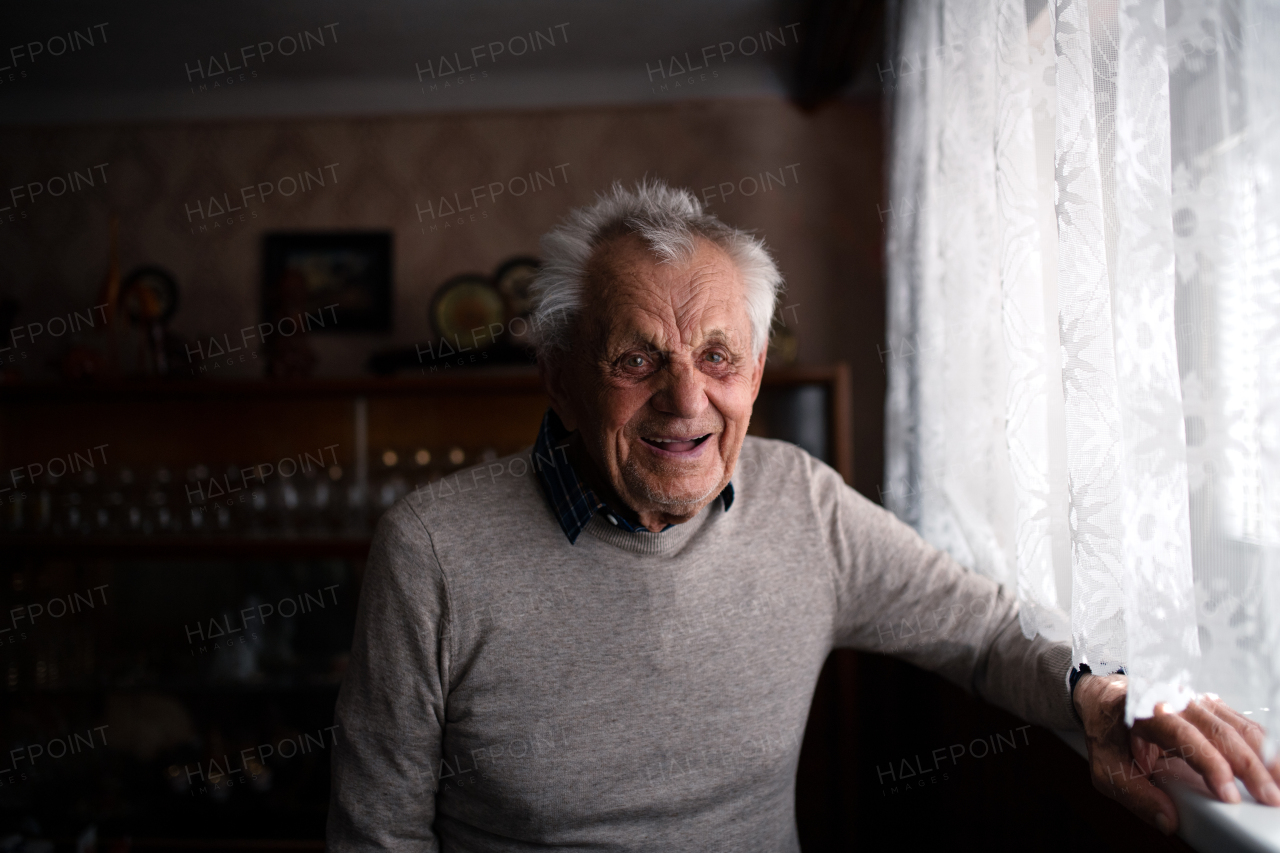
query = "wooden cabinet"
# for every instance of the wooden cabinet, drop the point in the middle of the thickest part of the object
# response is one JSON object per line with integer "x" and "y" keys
{"x": 193, "y": 653}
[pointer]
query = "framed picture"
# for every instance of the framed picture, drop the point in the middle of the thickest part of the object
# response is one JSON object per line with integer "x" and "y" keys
{"x": 345, "y": 276}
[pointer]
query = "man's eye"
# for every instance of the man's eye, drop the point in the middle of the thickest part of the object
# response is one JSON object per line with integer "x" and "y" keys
{"x": 715, "y": 357}
{"x": 635, "y": 361}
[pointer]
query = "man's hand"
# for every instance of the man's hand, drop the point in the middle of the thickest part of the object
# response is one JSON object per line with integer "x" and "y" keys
{"x": 1213, "y": 740}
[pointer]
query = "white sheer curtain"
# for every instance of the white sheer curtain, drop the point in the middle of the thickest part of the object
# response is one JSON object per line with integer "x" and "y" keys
{"x": 1084, "y": 324}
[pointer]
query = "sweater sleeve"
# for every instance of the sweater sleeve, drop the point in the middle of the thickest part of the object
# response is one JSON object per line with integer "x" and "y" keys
{"x": 391, "y": 707}
{"x": 898, "y": 595}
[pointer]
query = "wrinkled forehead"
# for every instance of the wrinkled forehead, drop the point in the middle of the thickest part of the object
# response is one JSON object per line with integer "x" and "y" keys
{"x": 632, "y": 297}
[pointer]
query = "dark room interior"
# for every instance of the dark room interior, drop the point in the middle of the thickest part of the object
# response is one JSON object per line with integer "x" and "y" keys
{"x": 271, "y": 274}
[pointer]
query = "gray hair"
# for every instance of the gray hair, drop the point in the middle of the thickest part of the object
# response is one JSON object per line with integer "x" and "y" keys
{"x": 667, "y": 219}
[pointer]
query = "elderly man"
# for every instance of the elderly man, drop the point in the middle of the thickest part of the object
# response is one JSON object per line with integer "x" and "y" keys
{"x": 619, "y": 650}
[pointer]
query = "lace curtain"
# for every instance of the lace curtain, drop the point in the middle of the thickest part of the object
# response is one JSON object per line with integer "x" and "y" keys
{"x": 1084, "y": 324}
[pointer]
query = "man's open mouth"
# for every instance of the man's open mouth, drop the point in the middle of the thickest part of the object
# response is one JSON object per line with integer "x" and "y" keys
{"x": 675, "y": 445}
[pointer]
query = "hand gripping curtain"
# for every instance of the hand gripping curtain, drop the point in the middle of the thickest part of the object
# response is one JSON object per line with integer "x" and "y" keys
{"x": 1083, "y": 352}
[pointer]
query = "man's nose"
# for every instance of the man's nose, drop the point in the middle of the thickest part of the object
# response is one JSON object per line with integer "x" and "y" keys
{"x": 682, "y": 392}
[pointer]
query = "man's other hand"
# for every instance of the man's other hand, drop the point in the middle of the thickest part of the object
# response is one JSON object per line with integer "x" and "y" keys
{"x": 1207, "y": 738}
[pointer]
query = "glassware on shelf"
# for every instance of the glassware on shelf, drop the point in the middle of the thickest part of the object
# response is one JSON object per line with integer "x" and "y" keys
{"x": 226, "y": 509}
{"x": 390, "y": 484}
{"x": 83, "y": 501}
{"x": 335, "y": 511}
{"x": 316, "y": 494}
{"x": 226, "y": 500}
{"x": 454, "y": 459}
{"x": 17, "y": 512}
{"x": 101, "y": 514}
{"x": 355, "y": 521}
{"x": 111, "y": 514}
{"x": 197, "y": 505}
{"x": 45, "y": 495}
{"x": 425, "y": 469}
{"x": 284, "y": 505}
{"x": 73, "y": 512}
{"x": 159, "y": 517}
{"x": 132, "y": 503}
{"x": 259, "y": 514}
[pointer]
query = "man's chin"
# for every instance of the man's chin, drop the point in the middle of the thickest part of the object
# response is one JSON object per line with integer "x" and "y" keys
{"x": 683, "y": 496}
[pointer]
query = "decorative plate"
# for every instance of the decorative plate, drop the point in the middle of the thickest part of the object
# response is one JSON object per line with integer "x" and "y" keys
{"x": 465, "y": 308}
{"x": 149, "y": 295}
{"x": 514, "y": 280}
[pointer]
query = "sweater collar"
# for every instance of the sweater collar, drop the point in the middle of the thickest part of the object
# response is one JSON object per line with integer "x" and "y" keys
{"x": 571, "y": 500}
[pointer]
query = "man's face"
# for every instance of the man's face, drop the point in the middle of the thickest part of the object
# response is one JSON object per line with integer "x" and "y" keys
{"x": 661, "y": 377}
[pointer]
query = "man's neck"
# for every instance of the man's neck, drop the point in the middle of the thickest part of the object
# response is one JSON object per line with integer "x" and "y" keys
{"x": 587, "y": 469}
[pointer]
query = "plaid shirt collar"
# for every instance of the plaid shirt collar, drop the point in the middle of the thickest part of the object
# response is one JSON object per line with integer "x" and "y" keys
{"x": 571, "y": 499}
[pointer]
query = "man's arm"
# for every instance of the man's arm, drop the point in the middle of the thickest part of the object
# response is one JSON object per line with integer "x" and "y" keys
{"x": 898, "y": 595}
{"x": 391, "y": 709}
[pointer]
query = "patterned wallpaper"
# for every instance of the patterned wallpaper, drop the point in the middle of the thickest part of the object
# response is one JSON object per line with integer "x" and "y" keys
{"x": 167, "y": 182}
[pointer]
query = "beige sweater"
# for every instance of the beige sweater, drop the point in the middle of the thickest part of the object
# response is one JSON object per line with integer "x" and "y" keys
{"x": 508, "y": 690}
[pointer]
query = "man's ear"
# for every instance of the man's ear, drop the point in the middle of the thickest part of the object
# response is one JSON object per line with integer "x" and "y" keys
{"x": 556, "y": 382}
{"x": 759, "y": 374}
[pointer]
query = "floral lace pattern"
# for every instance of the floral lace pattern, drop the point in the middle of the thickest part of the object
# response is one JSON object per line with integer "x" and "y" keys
{"x": 1088, "y": 278}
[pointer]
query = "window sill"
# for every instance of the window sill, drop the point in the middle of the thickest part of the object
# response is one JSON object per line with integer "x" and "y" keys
{"x": 1211, "y": 826}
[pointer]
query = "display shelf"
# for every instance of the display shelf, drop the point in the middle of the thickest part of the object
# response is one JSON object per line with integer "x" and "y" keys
{"x": 91, "y": 547}
{"x": 465, "y": 381}
{"x": 177, "y": 427}
{"x": 268, "y": 684}
{"x": 209, "y": 845}
{"x": 477, "y": 381}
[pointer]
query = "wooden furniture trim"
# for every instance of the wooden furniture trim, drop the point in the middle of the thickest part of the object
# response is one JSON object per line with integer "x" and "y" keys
{"x": 462, "y": 381}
